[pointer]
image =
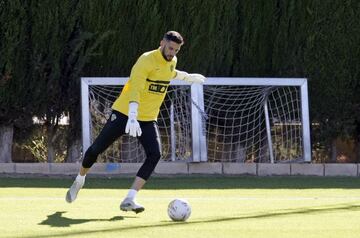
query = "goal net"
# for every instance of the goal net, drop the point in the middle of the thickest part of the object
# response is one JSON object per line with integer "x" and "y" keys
{"x": 224, "y": 120}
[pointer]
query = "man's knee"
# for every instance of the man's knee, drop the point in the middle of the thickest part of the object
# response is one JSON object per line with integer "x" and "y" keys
{"x": 148, "y": 167}
{"x": 89, "y": 157}
{"x": 154, "y": 155}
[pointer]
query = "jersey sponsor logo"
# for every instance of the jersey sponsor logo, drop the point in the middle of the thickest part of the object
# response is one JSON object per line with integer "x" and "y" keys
{"x": 157, "y": 88}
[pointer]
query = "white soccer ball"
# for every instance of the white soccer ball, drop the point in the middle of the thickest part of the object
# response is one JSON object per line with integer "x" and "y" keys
{"x": 179, "y": 210}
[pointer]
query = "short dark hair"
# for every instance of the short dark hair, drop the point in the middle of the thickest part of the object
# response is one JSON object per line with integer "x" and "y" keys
{"x": 174, "y": 36}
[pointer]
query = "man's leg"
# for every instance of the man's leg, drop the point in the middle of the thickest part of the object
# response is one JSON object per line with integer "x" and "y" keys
{"x": 138, "y": 183}
{"x": 113, "y": 129}
{"x": 83, "y": 171}
{"x": 150, "y": 139}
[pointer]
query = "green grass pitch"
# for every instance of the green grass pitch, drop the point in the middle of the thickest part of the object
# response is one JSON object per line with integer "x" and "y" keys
{"x": 221, "y": 207}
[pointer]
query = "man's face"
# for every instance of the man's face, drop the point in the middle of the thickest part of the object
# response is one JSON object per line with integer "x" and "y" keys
{"x": 169, "y": 49}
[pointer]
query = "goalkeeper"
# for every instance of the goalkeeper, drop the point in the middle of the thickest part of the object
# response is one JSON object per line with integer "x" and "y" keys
{"x": 135, "y": 112}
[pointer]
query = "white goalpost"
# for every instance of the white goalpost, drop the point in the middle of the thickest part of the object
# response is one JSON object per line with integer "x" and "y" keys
{"x": 223, "y": 120}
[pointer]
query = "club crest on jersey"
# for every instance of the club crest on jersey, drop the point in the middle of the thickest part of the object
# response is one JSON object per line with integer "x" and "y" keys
{"x": 171, "y": 68}
{"x": 113, "y": 117}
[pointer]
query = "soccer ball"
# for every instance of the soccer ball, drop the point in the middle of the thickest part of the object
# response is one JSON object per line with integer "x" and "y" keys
{"x": 179, "y": 210}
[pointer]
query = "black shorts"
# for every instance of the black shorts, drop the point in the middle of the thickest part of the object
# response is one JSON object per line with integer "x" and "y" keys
{"x": 113, "y": 129}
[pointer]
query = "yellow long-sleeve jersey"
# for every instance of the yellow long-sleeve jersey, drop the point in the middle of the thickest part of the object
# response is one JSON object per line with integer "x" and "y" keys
{"x": 147, "y": 85}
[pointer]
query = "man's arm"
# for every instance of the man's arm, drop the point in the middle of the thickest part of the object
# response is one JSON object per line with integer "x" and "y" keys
{"x": 138, "y": 76}
{"x": 193, "y": 78}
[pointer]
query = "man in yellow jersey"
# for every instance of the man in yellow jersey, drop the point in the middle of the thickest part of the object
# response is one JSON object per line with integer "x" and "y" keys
{"x": 135, "y": 112}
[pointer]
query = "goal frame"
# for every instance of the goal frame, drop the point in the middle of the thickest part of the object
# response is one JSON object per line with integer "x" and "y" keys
{"x": 199, "y": 148}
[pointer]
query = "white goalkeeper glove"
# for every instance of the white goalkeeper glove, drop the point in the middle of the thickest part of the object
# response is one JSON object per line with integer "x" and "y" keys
{"x": 192, "y": 78}
{"x": 132, "y": 125}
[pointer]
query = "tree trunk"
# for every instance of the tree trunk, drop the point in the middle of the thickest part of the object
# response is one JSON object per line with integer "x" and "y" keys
{"x": 6, "y": 141}
{"x": 50, "y": 131}
{"x": 333, "y": 151}
{"x": 50, "y": 153}
{"x": 74, "y": 151}
{"x": 358, "y": 152}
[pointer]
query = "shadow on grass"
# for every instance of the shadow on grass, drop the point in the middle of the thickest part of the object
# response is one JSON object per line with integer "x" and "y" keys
{"x": 263, "y": 215}
{"x": 58, "y": 220}
{"x": 193, "y": 182}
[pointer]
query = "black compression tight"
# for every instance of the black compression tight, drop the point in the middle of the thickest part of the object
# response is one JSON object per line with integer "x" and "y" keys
{"x": 113, "y": 129}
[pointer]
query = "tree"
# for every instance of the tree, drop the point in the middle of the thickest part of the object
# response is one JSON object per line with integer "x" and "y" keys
{"x": 61, "y": 50}
{"x": 16, "y": 84}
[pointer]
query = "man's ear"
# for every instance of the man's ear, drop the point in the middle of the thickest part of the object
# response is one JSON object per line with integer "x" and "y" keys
{"x": 162, "y": 43}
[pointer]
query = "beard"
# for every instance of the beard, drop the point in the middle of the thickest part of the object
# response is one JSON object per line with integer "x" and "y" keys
{"x": 166, "y": 57}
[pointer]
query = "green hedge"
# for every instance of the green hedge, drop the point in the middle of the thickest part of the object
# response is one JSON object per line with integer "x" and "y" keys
{"x": 316, "y": 39}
